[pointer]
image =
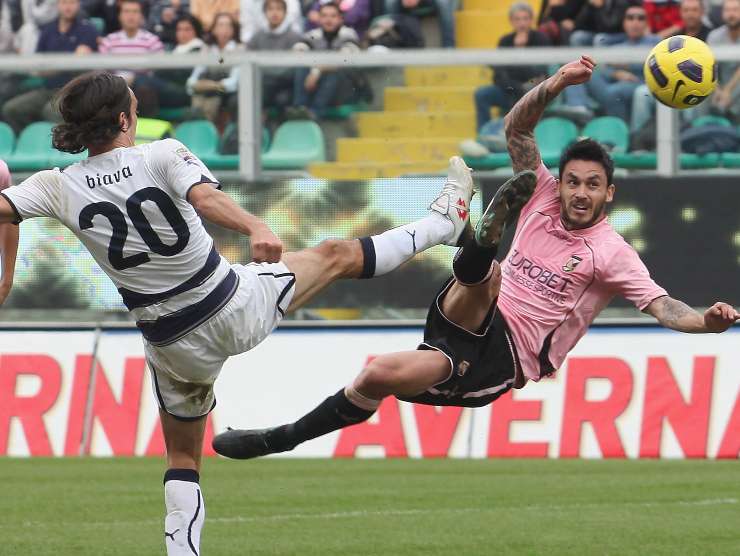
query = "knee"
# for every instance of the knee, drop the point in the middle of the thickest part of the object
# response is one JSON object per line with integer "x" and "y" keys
{"x": 376, "y": 379}
{"x": 341, "y": 257}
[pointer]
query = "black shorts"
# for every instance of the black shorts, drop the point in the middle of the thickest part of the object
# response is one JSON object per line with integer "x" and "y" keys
{"x": 483, "y": 365}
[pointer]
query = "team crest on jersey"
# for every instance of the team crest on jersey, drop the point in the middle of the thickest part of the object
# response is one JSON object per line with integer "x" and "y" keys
{"x": 572, "y": 263}
{"x": 462, "y": 368}
{"x": 186, "y": 155}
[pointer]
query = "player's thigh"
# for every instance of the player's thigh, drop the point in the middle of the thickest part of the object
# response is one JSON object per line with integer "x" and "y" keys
{"x": 404, "y": 373}
{"x": 184, "y": 440}
{"x": 317, "y": 267}
{"x": 468, "y": 306}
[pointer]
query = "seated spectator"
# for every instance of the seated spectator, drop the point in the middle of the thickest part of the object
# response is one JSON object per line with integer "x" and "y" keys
{"x": 207, "y": 10}
{"x": 613, "y": 86}
{"x": 163, "y": 15}
{"x": 445, "y": 12}
{"x": 317, "y": 89}
{"x": 557, "y": 19}
{"x": 254, "y": 18}
{"x": 107, "y": 10}
{"x": 356, "y": 15}
{"x": 214, "y": 88}
{"x": 134, "y": 39}
{"x": 172, "y": 83}
{"x": 692, "y": 20}
{"x": 512, "y": 82}
{"x": 726, "y": 98}
{"x": 36, "y": 14}
{"x": 664, "y": 17}
{"x": 277, "y": 83}
{"x": 69, "y": 33}
{"x": 599, "y": 23}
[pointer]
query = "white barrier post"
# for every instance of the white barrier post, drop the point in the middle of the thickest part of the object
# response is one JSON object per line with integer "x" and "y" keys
{"x": 250, "y": 126}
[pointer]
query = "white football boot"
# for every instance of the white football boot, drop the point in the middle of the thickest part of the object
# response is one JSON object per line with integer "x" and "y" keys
{"x": 453, "y": 202}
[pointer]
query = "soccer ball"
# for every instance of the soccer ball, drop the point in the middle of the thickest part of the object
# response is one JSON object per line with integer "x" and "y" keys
{"x": 680, "y": 71}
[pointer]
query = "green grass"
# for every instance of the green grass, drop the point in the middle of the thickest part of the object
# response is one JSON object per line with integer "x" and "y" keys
{"x": 372, "y": 507}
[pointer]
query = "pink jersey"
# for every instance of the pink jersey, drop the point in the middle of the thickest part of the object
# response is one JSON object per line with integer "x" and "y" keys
{"x": 555, "y": 282}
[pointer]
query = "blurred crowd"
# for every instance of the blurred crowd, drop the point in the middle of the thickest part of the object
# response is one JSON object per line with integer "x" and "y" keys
{"x": 138, "y": 27}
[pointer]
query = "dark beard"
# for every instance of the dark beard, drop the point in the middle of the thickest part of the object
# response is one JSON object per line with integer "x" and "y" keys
{"x": 598, "y": 214}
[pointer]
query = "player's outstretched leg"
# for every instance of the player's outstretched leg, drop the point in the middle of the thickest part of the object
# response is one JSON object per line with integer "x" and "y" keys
{"x": 317, "y": 267}
{"x": 472, "y": 263}
{"x": 403, "y": 374}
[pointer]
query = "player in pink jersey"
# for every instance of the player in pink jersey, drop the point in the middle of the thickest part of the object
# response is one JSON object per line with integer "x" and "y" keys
{"x": 493, "y": 327}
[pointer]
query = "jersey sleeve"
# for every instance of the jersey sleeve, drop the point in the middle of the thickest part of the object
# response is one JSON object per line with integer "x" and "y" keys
{"x": 36, "y": 196}
{"x": 179, "y": 168}
{"x": 628, "y": 276}
{"x": 545, "y": 193}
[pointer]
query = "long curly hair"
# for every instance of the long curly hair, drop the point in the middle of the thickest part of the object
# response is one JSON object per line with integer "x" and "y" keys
{"x": 90, "y": 106}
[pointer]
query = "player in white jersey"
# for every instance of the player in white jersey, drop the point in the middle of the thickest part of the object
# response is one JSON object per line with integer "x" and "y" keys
{"x": 136, "y": 209}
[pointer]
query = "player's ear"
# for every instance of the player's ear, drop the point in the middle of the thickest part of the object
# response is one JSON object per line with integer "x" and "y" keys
{"x": 123, "y": 121}
{"x": 610, "y": 193}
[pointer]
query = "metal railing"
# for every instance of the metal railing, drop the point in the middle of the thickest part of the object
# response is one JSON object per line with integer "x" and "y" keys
{"x": 251, "y": 65}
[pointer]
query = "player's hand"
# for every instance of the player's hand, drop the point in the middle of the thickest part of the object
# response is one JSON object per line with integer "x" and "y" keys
{"x": 575, "y": 73}
{"x": 312, "y": 81}
{"x": 720, "y": 316}
{"x": 266, "y": 246}
{"x": 721, "y": 98}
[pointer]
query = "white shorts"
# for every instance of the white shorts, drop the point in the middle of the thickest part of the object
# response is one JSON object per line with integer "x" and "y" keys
{"x": 184, "y": 371}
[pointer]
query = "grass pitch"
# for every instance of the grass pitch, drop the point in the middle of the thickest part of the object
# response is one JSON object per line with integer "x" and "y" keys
{"x": 379, "y": 507}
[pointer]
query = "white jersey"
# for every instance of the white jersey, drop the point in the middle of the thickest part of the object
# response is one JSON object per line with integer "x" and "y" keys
{"x": 129, "y": 208}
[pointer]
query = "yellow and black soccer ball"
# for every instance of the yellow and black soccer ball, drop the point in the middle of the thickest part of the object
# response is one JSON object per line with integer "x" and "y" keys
{"x": 681, "y": 71}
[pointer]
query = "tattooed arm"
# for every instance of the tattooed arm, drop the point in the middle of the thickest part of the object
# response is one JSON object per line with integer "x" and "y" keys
{"x": 523, "y": 117}
{"x": 676, "y": 315}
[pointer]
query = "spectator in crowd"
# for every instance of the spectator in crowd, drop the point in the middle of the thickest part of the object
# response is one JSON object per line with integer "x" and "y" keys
{"x": 512, "y": 82}
{"x": 214, "y": 88}
{"x": 11, "y": 20}
{"x": 36, "y": 14}
{"x": 726, "y": 98}
{"x": 664, "y": 17}
{"x": 317, "y": 88}
{"x": 207, "y": 10}
{"x": 163, "y": 15}
{"x": 8, "y": 242}
{"x": 254, "y": 19}
{"x": 613, "y": 86}
{"x": 134, "y": 39}
{"x": 356, "y": 15}
{"x": 599, "y": 23}
{"x": 277, "y": 83}
{"x": 558, "y": 19}
{"x": 68, "y": 33}
{"x": 107, "y": 10}
{"x": 171, "y": 84}
{"x": 445, "y": 12}
{"x": 692, "y": 20}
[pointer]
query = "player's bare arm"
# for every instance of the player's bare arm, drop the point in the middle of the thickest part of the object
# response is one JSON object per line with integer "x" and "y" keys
{"x": 217, "y": 207}
{"x": 676, "y": 315}
{"x": 523, "y": 117}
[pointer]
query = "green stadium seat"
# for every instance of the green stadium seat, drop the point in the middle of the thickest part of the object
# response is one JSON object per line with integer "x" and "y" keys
{"x": 553, "y": 135}
{"x": 711, "y": 120}
{"x": 730, "y": 160}
{"x": 488, "y": 162}
{"x": 691, "y": 161}
{"x": 296, "y": 144}
{"x": 636, "y": 160}
{"x": 344, "y": 111}
{"x": 152, "y": 129}
{"x": 176, "y": 114}
{"x": 7, "y": 140}
{"x": 610, "y": 131}
{"x": 33, "y": 148}
{"x": 200, "y": 136}
{"x": 98, "y": 23}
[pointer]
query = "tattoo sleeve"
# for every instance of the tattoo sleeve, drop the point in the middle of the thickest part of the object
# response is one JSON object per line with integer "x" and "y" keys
{"x": 520, "y": 123}
{"x": 676, "y": 315}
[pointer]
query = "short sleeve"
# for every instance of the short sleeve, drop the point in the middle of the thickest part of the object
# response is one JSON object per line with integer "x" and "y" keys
{"x": 36, "y": 196}
{"x": 179, "y": 168}
{"x": 627, "y": 275}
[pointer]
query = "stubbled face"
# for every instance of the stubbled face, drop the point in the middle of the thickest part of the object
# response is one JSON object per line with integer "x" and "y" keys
{"x": 731, "y": 13}
{"x": 275, "y": 14}
{"x": 184, "y": 32}
{"x": 635, "y": 23}
{"x": 330, "y": 20}
{"x": 521, "y": 21}
{"x": 691, "y": 13}
{"x": 131, "y": 17}
{"x": 584, "y": 194}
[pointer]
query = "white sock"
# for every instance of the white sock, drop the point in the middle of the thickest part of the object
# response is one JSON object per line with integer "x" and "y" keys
{"x": 396, "y": 246}
{"x": 186, "y": 512}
